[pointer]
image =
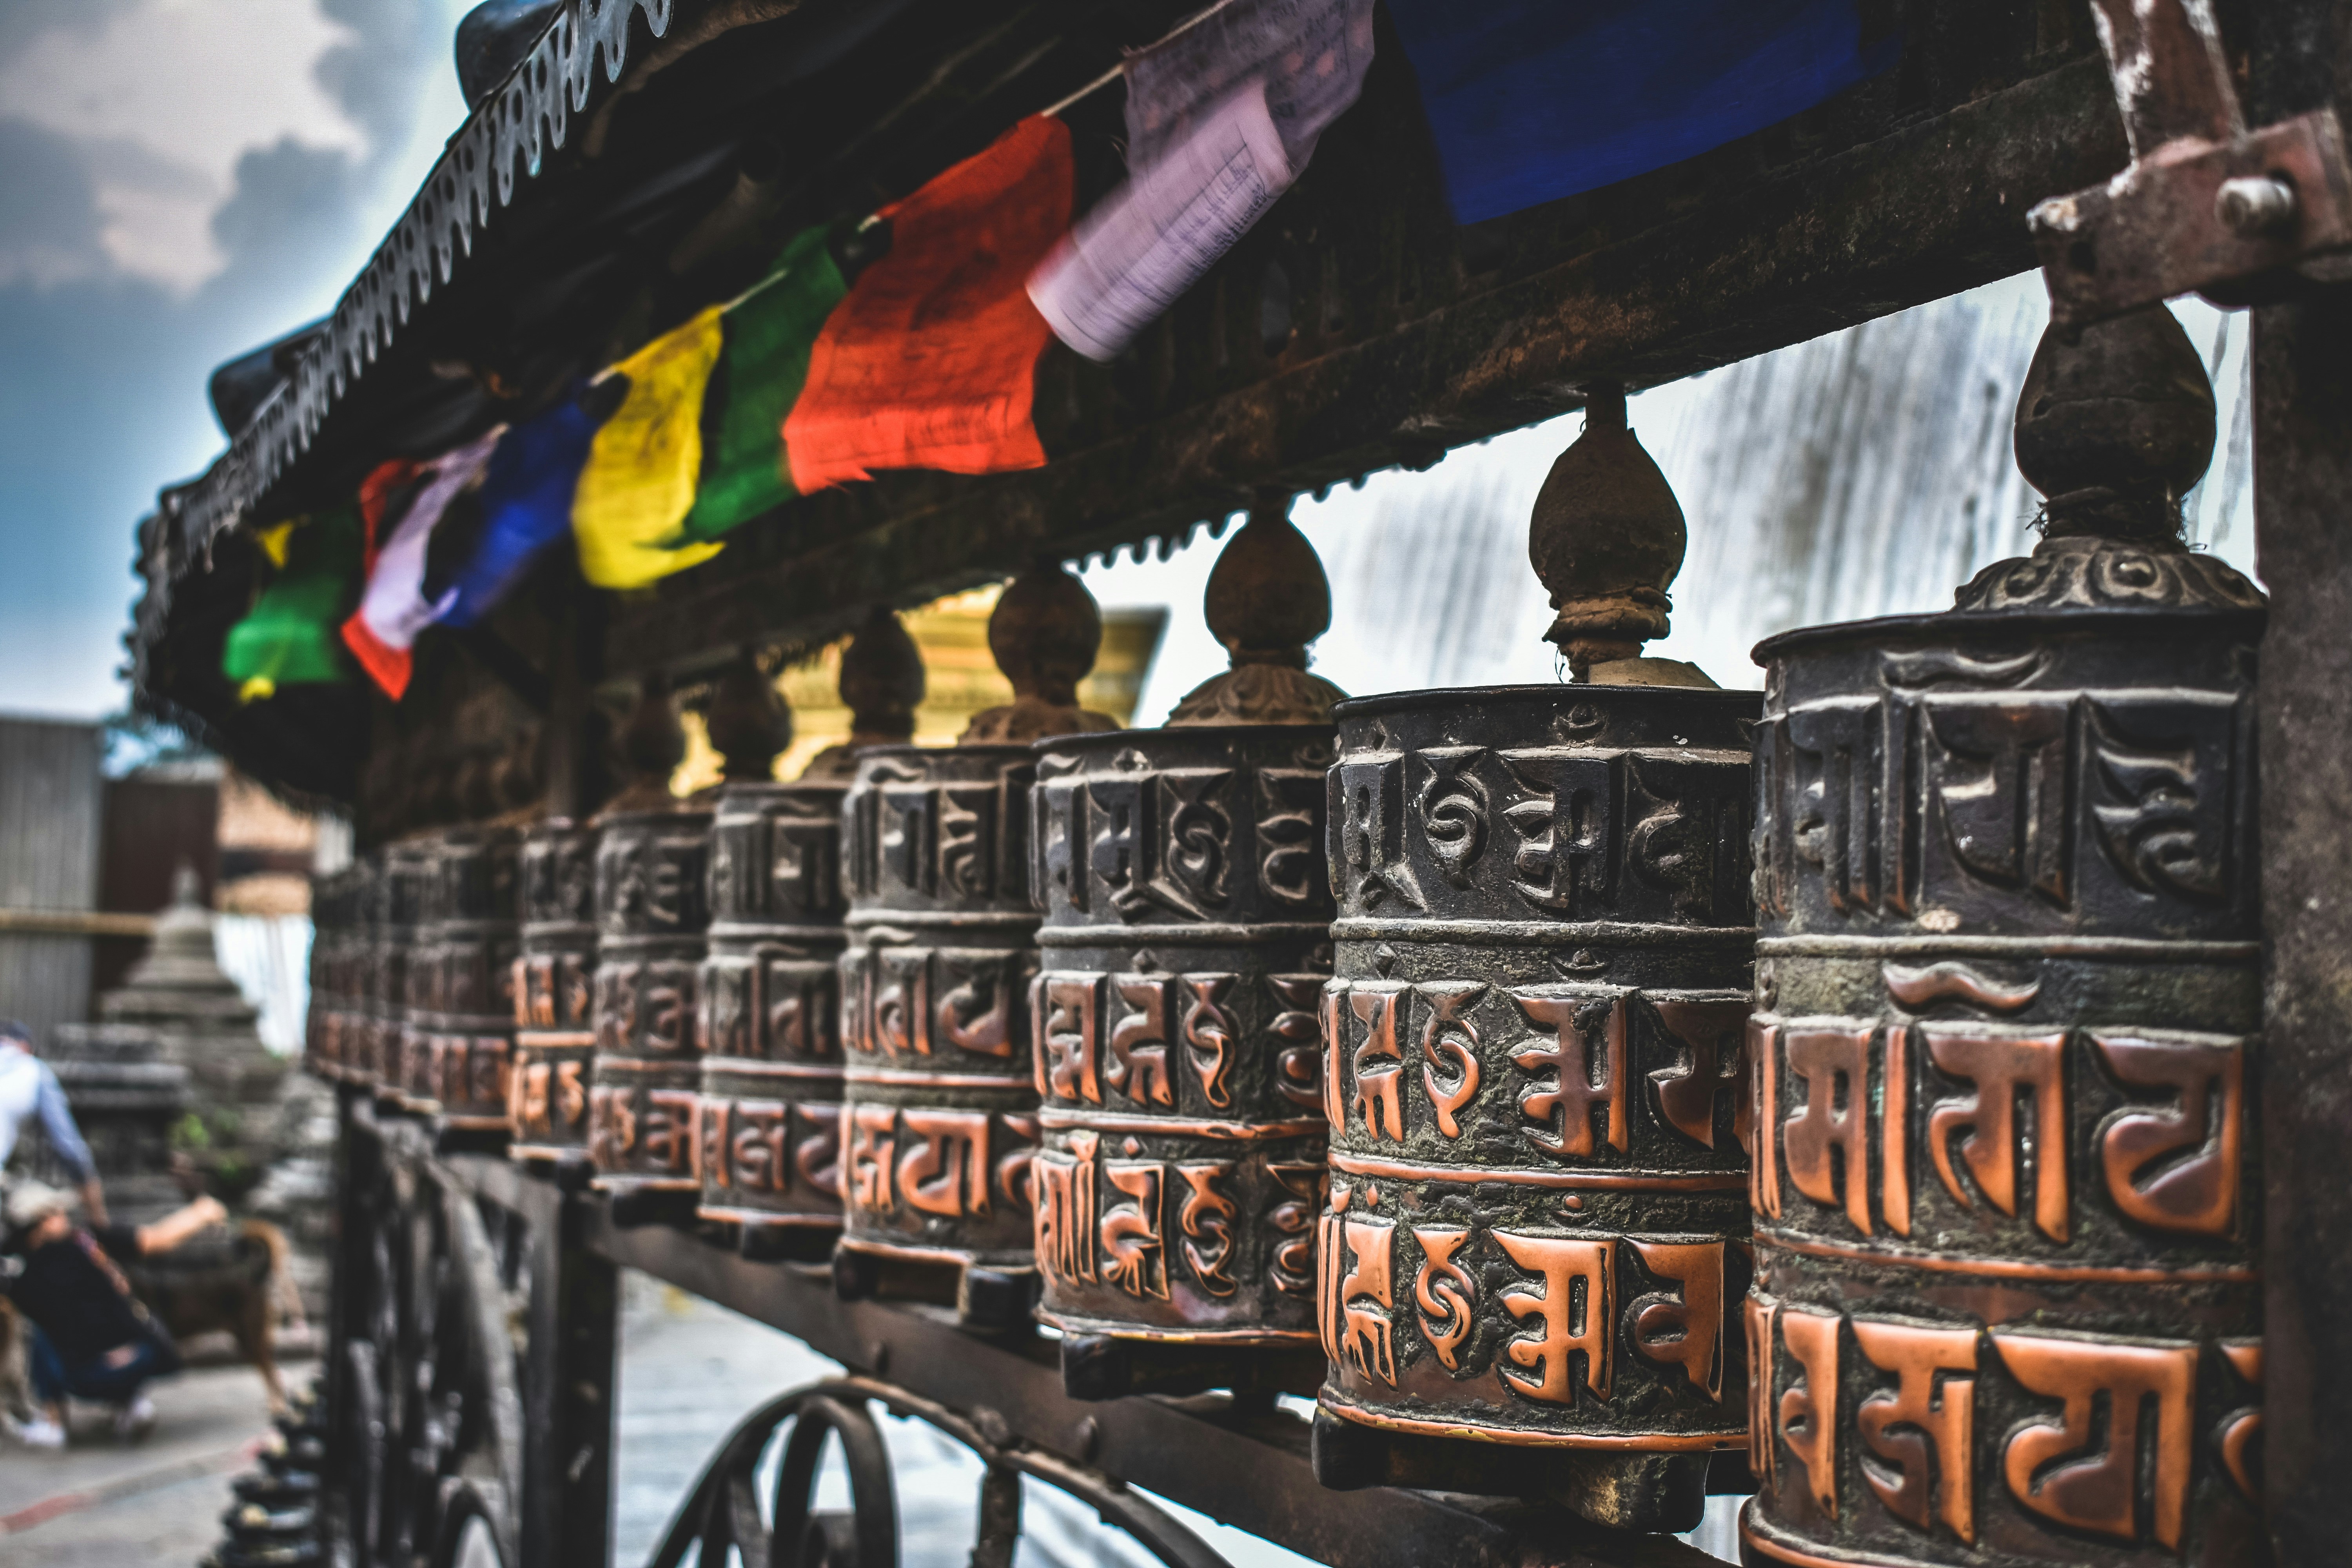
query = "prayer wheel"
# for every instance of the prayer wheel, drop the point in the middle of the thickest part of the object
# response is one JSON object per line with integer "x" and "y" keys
{"x": 324, "y": 1029}
{"x": 942, "y": 1105}
{"x": 473, "y": 953}
{"x": 395, "y": 942}
{"x": 769, "y": 1122}
{"x": 1183, "y": 953}
{"x": 2007, "y": 1304}
{"x": 653, "y": 907}
{"x": 1533, "y": 1246}
{"x": 417, "y": 1081}
{"x": 555, "y": 1040}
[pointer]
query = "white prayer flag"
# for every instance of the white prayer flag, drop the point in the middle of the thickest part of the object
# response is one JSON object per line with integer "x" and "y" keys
{"x": 392, "y": 607}
{"x": 1142, "y": 246}
{"x": 1311, "y": 56}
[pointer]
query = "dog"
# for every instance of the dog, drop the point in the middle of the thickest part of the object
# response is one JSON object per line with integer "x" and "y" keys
{"x": 231, "y": 1278}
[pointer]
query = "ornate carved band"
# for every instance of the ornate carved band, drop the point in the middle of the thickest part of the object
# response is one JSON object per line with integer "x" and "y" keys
{"x": 2006, "y": 1298}
{"x": 1185, "y": 949}
{"x": 1533, "y": 1066}
{"x": 769, "y": 1134}
{"x": 547, "y": 1092}
{"x": 653, "y": 907}
{"x": 941, "y": 1117}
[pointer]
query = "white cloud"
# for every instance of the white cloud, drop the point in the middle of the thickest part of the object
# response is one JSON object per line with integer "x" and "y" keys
{"x": 162, "y": 99}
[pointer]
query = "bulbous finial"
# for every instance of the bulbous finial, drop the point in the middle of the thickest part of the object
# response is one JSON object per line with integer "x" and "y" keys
{"x": 749, "y": 721}
{"x": 1267, "y": 599}
{"x": 882, "y": 683}
{"x": 652, "y": 745}
{"x": 2114, "y": 428}
{"x": 1607, "y": 538}
{"x": 1044, "y": 634}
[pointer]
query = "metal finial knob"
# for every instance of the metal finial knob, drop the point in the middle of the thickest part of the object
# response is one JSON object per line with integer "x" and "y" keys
{"x": 652, "y": 743}
{"x": 749, "y": 721}
{"x": 1268, "y": 598}
{"x": 2115, "y": 426}
{"x": 1607, "y": 539}
{"x": 882, "y": 684}
{"x": 1043, "y": 634}
{"x": 2112, "y": 427}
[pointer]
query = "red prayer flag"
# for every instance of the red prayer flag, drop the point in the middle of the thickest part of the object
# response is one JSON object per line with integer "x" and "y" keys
{"x": 931, "y": 363}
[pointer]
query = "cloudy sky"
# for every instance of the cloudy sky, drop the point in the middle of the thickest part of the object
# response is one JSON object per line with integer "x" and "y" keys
{"x": 180, "y": 180}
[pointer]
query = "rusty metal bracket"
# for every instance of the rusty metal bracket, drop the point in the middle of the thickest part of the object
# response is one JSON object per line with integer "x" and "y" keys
{"x": 2205, "y": 203}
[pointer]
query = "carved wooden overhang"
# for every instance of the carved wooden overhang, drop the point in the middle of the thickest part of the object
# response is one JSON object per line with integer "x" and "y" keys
{"x": 1357, "y": 327}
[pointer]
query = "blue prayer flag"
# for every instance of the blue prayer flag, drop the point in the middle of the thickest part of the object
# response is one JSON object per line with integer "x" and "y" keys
{"x": 1532, "y": 100}
{"x": 525, "y": 502}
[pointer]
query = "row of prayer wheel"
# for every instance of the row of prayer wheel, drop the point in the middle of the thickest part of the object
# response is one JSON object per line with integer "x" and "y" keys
{"x": 1608, "y": 1092}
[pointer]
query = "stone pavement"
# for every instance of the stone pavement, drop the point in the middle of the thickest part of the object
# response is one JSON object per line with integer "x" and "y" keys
{"x": 102, "y": 1504}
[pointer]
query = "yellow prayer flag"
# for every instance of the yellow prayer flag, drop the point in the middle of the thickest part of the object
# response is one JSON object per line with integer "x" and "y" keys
{"x": 639, "y": 484}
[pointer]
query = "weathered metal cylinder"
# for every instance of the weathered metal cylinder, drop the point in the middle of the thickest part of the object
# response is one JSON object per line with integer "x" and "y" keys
{"x": 770, "y": 1115}
{"x": 547, "y": 1092}
{"x": 2008, "y": 983}
{"x": 1183, "y": 955}
{"x": 333, "y": 895}
{"x": 476, "y": 935}
{"x": 395, "y": 945}
{"x": 941, "y": 1107}
{"x": 1533, "y": 1074}
{"x": 653, "y": 907}
{"x": 416, "y": 1083}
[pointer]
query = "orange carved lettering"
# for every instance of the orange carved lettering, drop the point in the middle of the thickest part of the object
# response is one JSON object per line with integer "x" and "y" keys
{"x": 2099, "y": 1489}
{"x": 1683, "y": 1329}
{"x": 1835, "y": 1066}
{"x": 1923, "y": 1428}
{"x": 1209, "y": 1034}
{"x": 1444, "y": 1290}
{"x": 1064, "y": 1209}
{"x": 2198, "y": 1194}
{"x": 947, "y": 1173}
{"x": 1134, "y": 1257}
{"x": 1454, "y": 1038}
{"x": 817, "y": 1157}
{"x": 1367, "y": 1338}
{"x": 1710, "y": 1032}
{"x": 757, "y": 1149}
{"x": 1206, "y": 1219}
{"x": 1298, "y": 1065}
{"x": 1573, "y": 1313}
{"x": 1137, "y": 1068}
{"x": 2002, "y": 1067}
{"x": 669, "y": 1129}
{"x": 1807, "y": 1414}
{"x": 1562, "y": 1106}
{"x": 2241, "y": 1427}
{"x": 1071, "y": 1025}
{"x": 872, "y": 1140}
{"x": 1756, "y": 1316}
{"x": 1764, "y": 1172}
{"x": 1376, "y": 1086}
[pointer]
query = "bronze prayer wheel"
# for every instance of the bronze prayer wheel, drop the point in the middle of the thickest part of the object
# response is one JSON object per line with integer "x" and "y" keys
{"x": 474, "y": 952}
{"x": 367, "y": 959}
{"x": 1533, "y": 1248}
{"x": 769, "y": 1119}
{"x": 652, "y": 908}
{"x": 2007, "y": 1304}
{"x": 1183, "y": 953}
{"x": 942, "y": 1105}
{"x": 396, "y": 942}
{"x": 323, "y": 1034}
{"x": 547, "y": 1090}
{"x": 421, "y": 1048}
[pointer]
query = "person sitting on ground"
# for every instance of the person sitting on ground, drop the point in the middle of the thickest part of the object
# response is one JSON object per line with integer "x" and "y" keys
{"x": 29, "y": 1091}
{"x": 90, "y": 1338}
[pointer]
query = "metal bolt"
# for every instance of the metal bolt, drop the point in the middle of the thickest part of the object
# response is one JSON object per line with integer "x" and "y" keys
{"x": 2253, "y": 205}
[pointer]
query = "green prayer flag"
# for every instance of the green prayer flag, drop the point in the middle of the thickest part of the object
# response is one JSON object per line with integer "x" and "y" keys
{"x": 291, "y": 634}
{"x": 762, "y": 365}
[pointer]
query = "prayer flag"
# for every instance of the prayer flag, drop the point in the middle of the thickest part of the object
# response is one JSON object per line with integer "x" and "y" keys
{"x": 762, "y": 369}
{"x": 288, "y": 636}
{"x": 639, "y": 483}
{"x": 930, "y": 362}
{"x": 1310, "y": 54}
{"x": 1532, "y": 100}
{"x": 394, "y": 609}
{"x": 525, "y": 502}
